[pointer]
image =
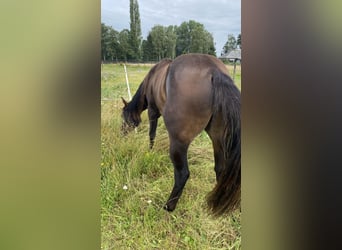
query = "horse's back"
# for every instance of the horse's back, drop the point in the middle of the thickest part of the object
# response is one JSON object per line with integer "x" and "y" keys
{"x": 188, "y": 107}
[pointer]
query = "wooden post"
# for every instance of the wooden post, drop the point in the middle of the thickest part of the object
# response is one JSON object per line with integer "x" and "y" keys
{"x": 128, "y": 89}
{"x": 234, "y": 69}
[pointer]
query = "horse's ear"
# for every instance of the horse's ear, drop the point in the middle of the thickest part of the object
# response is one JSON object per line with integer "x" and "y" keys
{"x": 124, "y": 101}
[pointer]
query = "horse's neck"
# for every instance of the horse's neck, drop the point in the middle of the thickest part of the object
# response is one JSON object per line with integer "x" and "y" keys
{"x": 138, "y": 101}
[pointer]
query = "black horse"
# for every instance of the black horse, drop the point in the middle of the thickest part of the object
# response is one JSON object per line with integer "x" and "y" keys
{"x": 194, "y": 93}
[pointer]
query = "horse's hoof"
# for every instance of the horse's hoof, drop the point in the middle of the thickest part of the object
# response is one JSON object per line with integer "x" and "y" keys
{"x": 167, "y": 208}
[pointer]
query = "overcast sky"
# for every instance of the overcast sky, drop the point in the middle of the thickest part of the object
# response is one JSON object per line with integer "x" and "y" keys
{"x": 219, "y": 17}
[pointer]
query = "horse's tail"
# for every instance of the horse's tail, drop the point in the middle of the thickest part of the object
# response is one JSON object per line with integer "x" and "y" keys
{"x": 226, "y": 195}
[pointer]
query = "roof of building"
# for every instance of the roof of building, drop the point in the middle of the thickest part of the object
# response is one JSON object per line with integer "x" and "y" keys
{"x": 234, "y": 54}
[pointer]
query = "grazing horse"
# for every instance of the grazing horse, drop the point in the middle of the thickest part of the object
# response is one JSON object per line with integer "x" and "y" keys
{"x": 194, "y": 93}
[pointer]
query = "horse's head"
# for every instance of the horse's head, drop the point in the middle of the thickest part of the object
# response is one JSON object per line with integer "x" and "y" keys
{"x": 131, "y": 119}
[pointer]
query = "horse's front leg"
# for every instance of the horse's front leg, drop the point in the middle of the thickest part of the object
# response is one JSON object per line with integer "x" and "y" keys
{"x": 178, "y": 155}
{"x": 153, "y": 116}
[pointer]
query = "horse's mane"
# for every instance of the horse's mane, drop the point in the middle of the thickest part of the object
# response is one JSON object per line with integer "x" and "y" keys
{"x": 137, "y": 103}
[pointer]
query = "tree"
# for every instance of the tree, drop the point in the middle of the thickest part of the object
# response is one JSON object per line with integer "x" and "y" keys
{"x": 104, "y": 41}
{"x": 197, "y": 37}
{"x": 135, "y": 30}
{"x": 209, "y": 47}
{"x": 158, "y": 41}
{"x": 161, "y": 42}
{"x": 171, "y": 39}
{"x": 193, "y": 38}
{"x": 239, "y": 41}
{"x": 230, "y": 45}
{"x": 125, "y": 49}
{"x": 109, "y": 43}
{"x": 112, "y": 44}
{"x": 147, "y": 49}
{"x": 183, "y": 39}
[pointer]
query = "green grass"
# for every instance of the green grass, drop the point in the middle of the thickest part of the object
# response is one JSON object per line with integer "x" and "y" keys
{"x": 136, "y": 181}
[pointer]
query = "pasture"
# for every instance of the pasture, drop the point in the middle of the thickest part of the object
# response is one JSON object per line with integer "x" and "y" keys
{"x": 136, "y": 181}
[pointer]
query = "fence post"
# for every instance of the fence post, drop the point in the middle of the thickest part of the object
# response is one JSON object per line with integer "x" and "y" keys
{"x": 127, "y": 83}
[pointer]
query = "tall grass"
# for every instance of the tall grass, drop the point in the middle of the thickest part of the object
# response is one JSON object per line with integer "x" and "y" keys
{"x": 136, "y": 181}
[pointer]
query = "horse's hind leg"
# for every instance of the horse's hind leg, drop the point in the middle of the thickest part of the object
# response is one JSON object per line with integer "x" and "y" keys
{"x": 178, "y": 155}
{"x": 215, "y": 133}
{"x": 218, "y": 156}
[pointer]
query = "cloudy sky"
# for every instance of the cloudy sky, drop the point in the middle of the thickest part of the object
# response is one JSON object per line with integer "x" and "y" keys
{"x": 219, "y": 17}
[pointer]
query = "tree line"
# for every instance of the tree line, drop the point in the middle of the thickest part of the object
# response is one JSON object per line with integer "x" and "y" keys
{"x": 161, "y": 42}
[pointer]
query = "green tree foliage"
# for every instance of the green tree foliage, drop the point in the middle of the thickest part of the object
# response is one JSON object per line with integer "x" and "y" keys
{"x": 238, "y": 42}
{"x": 104, "y": 41}
{"x": 110, "y": 46}
{"x": 135, "y": 30}
{"x": 162, "y": 42}
{"x": 147, "y": 48}
{"x": 193, "y": 38}
{"x": 171, "y": 39}
{"x": 158, "y": 41}
{"x": 115, "y": 45}
{"x": 230, "y": 45}
{"x": 125, "y": 48}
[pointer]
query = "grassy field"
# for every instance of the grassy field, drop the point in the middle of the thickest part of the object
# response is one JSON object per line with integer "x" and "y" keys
{"x": 136, "y": 181}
